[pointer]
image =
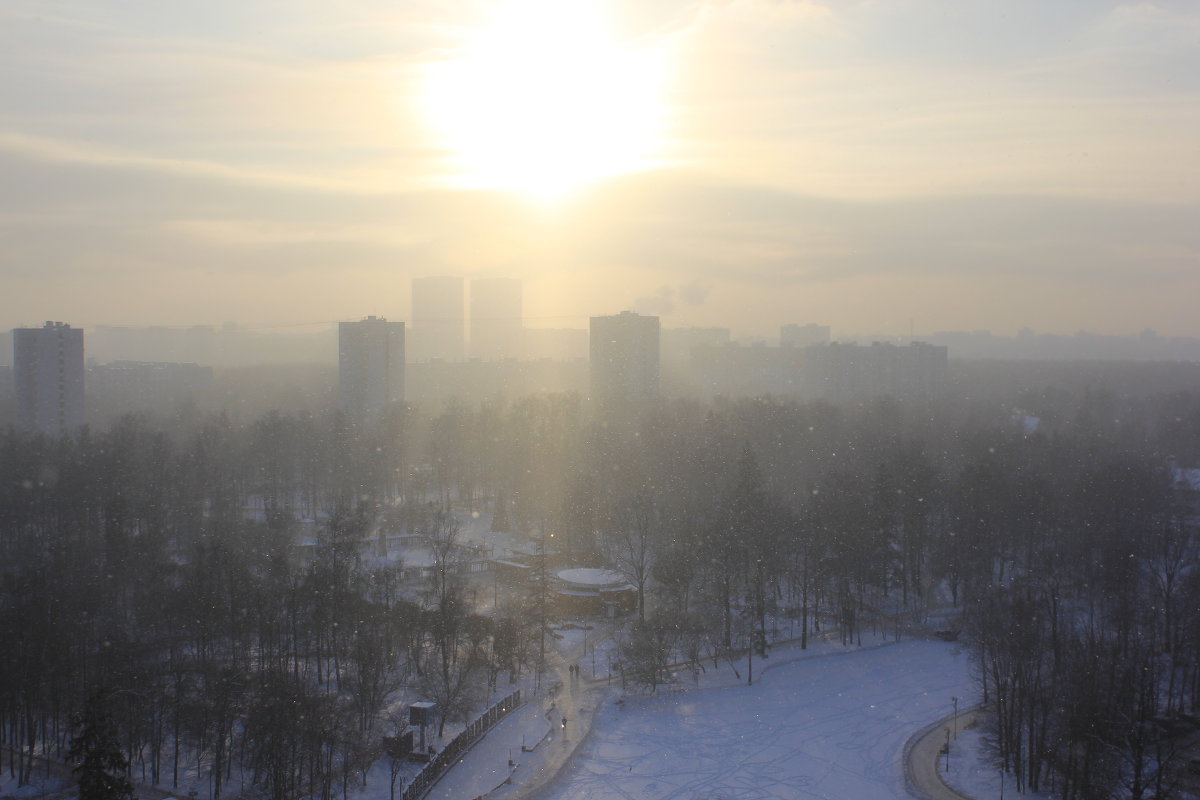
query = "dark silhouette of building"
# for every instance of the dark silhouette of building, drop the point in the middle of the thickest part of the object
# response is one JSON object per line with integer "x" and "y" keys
{"x": 48, "y": 377}
{"x": 370, "y": 366}
{"x": 624, "y": 353}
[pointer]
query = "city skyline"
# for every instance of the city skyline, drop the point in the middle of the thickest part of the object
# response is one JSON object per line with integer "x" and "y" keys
{"x": 893, "y": 167}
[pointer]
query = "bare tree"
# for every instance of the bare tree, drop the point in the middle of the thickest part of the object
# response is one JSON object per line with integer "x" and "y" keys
{"x": 633, "y": 541}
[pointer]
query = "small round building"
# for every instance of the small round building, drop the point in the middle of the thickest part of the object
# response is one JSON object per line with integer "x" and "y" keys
{"x": 592, "y": 592}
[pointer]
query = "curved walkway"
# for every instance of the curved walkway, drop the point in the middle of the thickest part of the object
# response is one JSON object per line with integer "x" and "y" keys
{"x": 923, "y": 754}
{"x": 492, "y": 769}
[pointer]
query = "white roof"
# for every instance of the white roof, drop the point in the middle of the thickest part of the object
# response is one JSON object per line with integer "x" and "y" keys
{"x": 591, "y": 576}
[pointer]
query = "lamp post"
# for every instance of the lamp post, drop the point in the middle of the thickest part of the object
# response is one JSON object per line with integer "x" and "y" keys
{"x": 955, "y": 701}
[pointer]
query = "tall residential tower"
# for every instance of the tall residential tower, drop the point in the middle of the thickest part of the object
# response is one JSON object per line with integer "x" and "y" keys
{"x": 370, "y": 366}
{"x": 624, "y": 351}
{"x": 48, "y": 376}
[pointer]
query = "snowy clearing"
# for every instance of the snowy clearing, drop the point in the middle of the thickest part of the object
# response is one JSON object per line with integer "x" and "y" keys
{"x": 830, "y": 726}
{"x": 830, "y": 722}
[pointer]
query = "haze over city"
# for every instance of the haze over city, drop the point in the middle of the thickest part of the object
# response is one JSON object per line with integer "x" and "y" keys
{"x": 896, "y": 166}
{"x": 578, "y": 399}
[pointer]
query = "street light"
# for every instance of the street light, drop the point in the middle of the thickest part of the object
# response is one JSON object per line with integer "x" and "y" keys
{"x": 955, "y": 701}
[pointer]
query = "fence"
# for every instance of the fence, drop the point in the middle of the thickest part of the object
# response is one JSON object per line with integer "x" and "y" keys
{"x": 459, "y": 745}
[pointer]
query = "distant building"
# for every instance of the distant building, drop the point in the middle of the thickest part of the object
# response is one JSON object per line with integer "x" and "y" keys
{"x": 7, "y": 402}
{"x": 624, "y": 354}
{"x": 370, "y": 366}
{"x": 734, "y": 370}
{"x": 803, "y": 335}
{"x": 438, "y": 319}
{"x": 839, "y": 371}
{"x": 497, "y": 313}
{"x": 48, "y": 378}
{"x": 680, "y": 344}
{"x": 121, "y": 387}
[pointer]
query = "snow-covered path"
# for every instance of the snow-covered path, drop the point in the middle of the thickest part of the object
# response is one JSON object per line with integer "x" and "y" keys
{"x": 830, "y": 726}
{"x": 927, "y": 756}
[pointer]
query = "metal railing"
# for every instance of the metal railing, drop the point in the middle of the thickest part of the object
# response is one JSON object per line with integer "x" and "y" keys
{"x": 430, "y": 773}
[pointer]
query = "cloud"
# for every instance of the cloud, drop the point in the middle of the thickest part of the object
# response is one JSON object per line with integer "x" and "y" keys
{"x": 91, "y": 155}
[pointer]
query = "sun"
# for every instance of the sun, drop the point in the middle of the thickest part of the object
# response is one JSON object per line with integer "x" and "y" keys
{"x": 544, "y": 99}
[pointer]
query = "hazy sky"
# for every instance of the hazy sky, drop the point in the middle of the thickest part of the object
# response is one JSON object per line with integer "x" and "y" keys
{"x": 873, "y": 165}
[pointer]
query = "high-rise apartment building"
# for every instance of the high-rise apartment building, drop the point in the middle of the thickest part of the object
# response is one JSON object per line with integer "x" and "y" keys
{"x": 438, "y": 319}
{"x": 624, "y": 351}
{"x": 496, "y": 318}
{"x": 370, "y": 366}
{"x": 48, "y": 378}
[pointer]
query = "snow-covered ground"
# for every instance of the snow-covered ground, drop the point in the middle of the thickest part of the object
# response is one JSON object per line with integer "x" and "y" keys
{"x": 829, "y": 722}
{"x": 828, "y": 726}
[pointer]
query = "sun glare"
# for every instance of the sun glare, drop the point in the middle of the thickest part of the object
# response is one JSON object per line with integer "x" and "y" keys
{"x": 544, "y": 99}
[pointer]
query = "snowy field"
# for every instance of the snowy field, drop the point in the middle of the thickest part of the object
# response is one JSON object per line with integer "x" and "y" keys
{"x": 825, "y": 726}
